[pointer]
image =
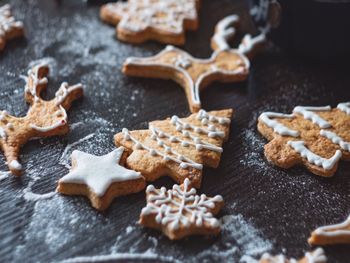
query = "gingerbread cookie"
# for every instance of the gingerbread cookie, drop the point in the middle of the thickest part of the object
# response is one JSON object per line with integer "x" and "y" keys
{"x": 191, "y": 73}
{"x": 315, "y": 137}
{"x": 43, "y": 119}
{"x": 177, "y": 147}
{"x": 316, "y": 256}
{"x": 226, "y": 30}
{"x": 161, "y": 20}
{"x": 332, "y": 234}
{"x": 9, "y": 27}
{"x": 179, "y": 212}
{"x": 100, "y": 178}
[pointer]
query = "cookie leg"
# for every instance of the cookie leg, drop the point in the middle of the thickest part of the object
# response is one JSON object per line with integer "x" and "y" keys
{"x": 11, "y": 153}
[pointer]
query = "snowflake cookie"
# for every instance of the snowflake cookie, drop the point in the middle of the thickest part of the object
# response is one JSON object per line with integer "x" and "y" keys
{"x": 100, "y": 178}
{"x": 332, "y": 234}
{"x": 178, "y": 147}
{"x": 191, "y": 73}
{"x": 316, "y": 256}
{"x": 315, "y": 137}
{"x": 161, "y": 20}
{"x": 9, "y": 27}
{"x": 43, "y": 119}
{"x": 179, "y": 212}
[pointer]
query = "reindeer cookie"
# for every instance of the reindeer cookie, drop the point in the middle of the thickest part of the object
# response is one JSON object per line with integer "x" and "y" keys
{"x": 43, "y": 119}
{"x": 161, "y": 20}
{"x": 178, "y": 147}
{"x": 179, "y": 212}
{"x": 9, "y": 27}
{"x": 316, "y": 256}
{"x": 332, "y": 234}
{"x": 315, "y": 137}
{"x": 100, "y": 178}
{"x": 191, "y": 73}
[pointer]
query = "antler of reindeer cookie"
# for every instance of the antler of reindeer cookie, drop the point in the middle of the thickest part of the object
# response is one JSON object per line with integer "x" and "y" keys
{"x": 9, "y": 27}
{"x": 191, "y": 73}
{"x": 226, "y": 30}
{"x": 43, "y": 119}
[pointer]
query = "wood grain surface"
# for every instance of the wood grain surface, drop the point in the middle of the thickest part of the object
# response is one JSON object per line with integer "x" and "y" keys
{"x": 267, "y": 209}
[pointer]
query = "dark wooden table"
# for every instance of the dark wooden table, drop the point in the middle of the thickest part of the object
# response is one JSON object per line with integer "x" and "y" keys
{"x": 267, "y": 209}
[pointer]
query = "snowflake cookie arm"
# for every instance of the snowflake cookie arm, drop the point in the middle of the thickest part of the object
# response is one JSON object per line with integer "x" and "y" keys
{"x": 179, "y": 212}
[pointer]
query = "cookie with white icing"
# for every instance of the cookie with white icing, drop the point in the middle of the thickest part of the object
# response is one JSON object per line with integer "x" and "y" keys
{"x": 316, "y": 256}
{"x": 191, "y": 73}
{"x": 225, "y": 31}
{"x": 164, "y": 21}
{"x": 331, "y": 234}
{"x": 100, "y": 178}
{"x": 43, "y": 119}
{"x": 177, "y": 147}
{"x": 315, "y": 137}
{"x": 9, "y": 27}
{"x": 180, "y": 212}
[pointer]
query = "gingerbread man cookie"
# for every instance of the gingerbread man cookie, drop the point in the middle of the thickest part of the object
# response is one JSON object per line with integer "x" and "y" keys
{"x": 43, "y": 119}
{"x": 9, "y": 27}
{"x": 191, "y": 73}
{"x": 226, "y": 30}
{"x": 178, "y": 147}
{"x": 100, "y": 178}
{"x": 332, "y": 234}
{"x": 315, "y": 137}
{"x": 161, "y": 20}
{"x": 179, "y": 212}
{"x": 316, "y": 256}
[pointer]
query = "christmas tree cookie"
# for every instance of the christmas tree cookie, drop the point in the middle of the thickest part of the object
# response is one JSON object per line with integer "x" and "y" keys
{"x": 178, "y": 147}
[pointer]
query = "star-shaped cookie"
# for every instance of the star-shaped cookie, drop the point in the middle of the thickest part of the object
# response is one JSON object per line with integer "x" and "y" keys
{"x": 100, "y": 178}
{"x": 161, "y": 20}
{"x": 332, "y": 234}
{"x": 191, "y": 73}
{"x": 179, "y": 212}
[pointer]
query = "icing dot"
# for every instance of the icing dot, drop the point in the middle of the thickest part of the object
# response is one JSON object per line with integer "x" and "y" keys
{"x": 184, "y": 144}
{"x": 178, "y": 128}
{"x": 197, "y": 140}
{"x": 161, "y": 135}
{"x": 198, "y": 130}
{"x": 181, "y": 158}
{"x": 173, "y": 139}
{"x": 204, "y": 121}
{"x": 138, "y": 146}
{"x": 166, "y": 158}
{"x": 154, "y": 137}
{"x": 160, "y": 143}
{"x": 199, "y": 147}
{"x": 174, "y": 120}
{"x": 211, "y": 118}
{"x": 167, "y": 149}
{"x": 186, "y": 134}
{"x": 212, "y": 134}
{"x": 186, "y": 126}
{"x": 211, "y": 128}
{"x": 184, "y": 165}
{"x": 9, "y": 125}
{"x": 153, "y": 152}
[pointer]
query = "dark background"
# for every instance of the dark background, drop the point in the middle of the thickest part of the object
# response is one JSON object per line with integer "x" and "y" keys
{"x": 267, "y": 209}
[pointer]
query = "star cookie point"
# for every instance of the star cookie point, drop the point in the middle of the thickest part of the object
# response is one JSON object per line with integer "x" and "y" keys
{"x": 9, "y": 27}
